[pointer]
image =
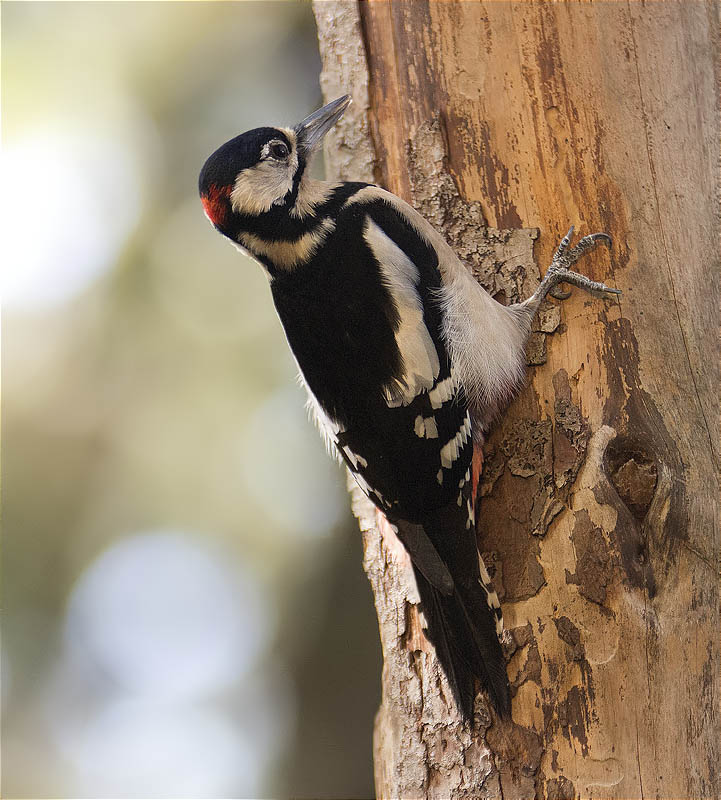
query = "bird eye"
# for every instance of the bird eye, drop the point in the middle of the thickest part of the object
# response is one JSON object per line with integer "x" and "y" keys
{"x": 278, "y": 150}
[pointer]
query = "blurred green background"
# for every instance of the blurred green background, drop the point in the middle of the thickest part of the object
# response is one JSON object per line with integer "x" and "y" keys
{"x": 185, "y": 613}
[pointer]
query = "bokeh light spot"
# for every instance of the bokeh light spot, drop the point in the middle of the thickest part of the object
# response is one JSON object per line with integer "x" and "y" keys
{"x": 163, "y": 614}
{"x": 146, "y": 750}
{"x": 68, "y": 203}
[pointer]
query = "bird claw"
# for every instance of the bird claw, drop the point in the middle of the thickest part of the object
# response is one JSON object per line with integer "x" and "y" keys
{"x": 560, "y": 294}
{"x": 564, "y": 258}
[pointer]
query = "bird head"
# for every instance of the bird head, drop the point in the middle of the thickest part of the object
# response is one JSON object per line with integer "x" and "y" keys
{"x": 262, "y": 168}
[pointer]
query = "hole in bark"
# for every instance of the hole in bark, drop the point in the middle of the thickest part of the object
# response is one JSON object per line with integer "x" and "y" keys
{"x": 633, "y": 472}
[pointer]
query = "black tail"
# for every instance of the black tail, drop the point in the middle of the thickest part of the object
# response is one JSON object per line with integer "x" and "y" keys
{"x": 460, "y": 606}
{"x": 462, "y": 628}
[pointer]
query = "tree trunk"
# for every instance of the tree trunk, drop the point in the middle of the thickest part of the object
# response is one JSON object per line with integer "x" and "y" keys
{"x": 599, "y": 506}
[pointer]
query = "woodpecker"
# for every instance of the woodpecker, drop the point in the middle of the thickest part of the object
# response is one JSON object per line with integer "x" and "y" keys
{"x": 405, "y": 357}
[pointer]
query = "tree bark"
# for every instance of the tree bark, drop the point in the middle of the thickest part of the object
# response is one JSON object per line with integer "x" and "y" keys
{"x": 599, "y": 506}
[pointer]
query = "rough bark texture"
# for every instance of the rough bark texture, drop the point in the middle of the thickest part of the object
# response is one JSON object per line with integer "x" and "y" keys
{"x": 599, "y": 510}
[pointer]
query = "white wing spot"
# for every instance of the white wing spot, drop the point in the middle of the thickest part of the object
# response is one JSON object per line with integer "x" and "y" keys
{"x": 439, "y": 476}
{"x": 442, "y": 391}
{"x": 425, "y": 427}
{"x": 450, "y": 450}
{"x": 431, "y": 428}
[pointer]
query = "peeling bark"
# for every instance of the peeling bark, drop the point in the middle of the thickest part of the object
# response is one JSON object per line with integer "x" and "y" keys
{"x": 503, "y": 123}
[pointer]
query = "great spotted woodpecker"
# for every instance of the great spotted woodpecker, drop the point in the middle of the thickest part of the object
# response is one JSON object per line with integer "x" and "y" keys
{"x": 406, "y": 359}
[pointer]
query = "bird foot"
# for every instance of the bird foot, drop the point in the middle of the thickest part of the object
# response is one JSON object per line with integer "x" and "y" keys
{"x": 560, "y": 272}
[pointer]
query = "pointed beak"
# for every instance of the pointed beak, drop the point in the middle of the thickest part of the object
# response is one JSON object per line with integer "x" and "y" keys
{"x": 311, "y": 131}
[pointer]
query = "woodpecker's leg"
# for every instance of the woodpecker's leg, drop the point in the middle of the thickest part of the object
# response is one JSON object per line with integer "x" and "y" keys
{"x": 560, "y": 272}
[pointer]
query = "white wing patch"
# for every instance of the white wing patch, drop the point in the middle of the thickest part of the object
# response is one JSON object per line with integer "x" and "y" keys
{"x": 486, "y": 341}
{"x": 420, "y": 359}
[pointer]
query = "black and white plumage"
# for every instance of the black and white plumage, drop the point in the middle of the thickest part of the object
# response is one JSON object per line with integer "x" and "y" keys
{"x": 405, "y": 357}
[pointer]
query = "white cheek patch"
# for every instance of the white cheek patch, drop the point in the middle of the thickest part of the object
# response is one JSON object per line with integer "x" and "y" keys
{"x": 258, "y": 188}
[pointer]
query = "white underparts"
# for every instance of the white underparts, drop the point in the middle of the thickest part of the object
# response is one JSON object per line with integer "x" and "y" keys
{"x": 486, "y": 341}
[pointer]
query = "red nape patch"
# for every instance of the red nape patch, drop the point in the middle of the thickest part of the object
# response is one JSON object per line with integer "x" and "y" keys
{"x": 215, "y": 203}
